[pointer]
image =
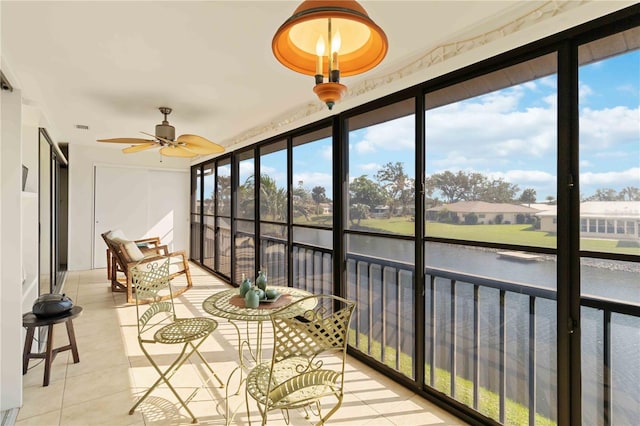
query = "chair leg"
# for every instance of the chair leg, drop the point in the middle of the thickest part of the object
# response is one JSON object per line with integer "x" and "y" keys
{"x": 164, "y": 377}
{"x": 169, "y": 372}
{"x": 129, "y": 288}
{"x": 208, "y": 367}
{"x": 108, "y": 263}
{"x": 187, "y": 272}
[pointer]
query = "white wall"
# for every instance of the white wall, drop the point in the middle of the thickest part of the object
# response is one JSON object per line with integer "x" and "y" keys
{"x": 10, "y": 250}
{"x": 82, "y": 160}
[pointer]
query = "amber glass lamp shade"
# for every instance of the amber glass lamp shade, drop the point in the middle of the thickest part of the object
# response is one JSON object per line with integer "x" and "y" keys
{"x": 361, "y": 44}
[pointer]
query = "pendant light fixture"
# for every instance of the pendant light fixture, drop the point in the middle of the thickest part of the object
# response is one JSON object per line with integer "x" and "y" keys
{"x": 329, "y": 40}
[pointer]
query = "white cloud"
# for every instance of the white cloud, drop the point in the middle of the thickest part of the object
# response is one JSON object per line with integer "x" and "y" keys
{"x": 313, "y": 179}
{"x": 326, "y": 152}
{"x": 585, "y": 164}
{"x": 608, "y": 127}
{"x": 485, "y": 129}
{"x": 224, "y": 171}
{"x": 584, "y": 91}
{"x": 392, "y": 135}
{"x": 365, "y": 147}
{"x": 277, "y": 174}
{"x": 370, "y": 167}
{"x": 611, "y": 154}
{"x": 246, "y": 168}
{"x": 629, "y": 177}
{"x": 550, "y": 81}
{"x": 628, "y": 89}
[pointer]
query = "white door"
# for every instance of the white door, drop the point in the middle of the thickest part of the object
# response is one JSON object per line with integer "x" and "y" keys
{"x": 142, "y": 203}
{"x": 168, "y": 215}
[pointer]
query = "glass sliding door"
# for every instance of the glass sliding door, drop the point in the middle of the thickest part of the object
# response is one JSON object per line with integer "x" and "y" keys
{"x": 46, "y": 215}
{"x": 380, "y": 229}
{"x": 223, "y": 216}
{"x": 196, "y": 208}
{"x": 52, "y": 200}
{"x": 312, "y": 211}
{"x": 274, "y": 213}
{"x": 245, "y": 238}
{"x": 609, "y": 105}
{"x": 490, "y": 191}
{"x": 208, "y": 215}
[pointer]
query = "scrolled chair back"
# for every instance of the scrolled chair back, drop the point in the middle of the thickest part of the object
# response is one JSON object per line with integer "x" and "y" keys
{"x": 310, "y": 326}
{"x": 150, "y": 279}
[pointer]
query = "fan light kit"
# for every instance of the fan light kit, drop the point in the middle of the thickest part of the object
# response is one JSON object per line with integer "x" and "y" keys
{"x": 329, "y": 39}
{"x": 165, "y": 137}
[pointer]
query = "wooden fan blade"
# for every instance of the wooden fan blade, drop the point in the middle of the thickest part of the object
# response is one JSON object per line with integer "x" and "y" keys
{"x": 200, "y": 150}
{"x": 136, "y": 148}
{"x": 167, "y": 141}
{"x": 192, "y": 141}
{"x": 176, "y": 151}
{"x": 130, "y": 141}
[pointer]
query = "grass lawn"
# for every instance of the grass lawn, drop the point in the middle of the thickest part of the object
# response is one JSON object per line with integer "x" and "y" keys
{"x": 509, "y": 234}
{"x": 489, "y": 402}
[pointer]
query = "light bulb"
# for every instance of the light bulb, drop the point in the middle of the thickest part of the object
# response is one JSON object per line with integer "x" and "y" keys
{"x": 335, "y": 42}
{"x": 320, "y": 46}
{"x": 320, "y": 53}
{"x": 335, "y": 46}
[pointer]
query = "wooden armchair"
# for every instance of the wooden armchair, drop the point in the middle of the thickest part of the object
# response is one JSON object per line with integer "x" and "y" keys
{"x": 148, "y": 246}
{"x": 123, "y": 255}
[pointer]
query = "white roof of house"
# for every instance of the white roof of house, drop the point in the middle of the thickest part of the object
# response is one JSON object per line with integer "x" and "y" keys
{"x": 613, "y": 209}
{"x": 483, "y": 207}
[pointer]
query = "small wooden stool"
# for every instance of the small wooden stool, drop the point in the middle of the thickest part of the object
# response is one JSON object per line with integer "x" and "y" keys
{"x": 31, "y": 322}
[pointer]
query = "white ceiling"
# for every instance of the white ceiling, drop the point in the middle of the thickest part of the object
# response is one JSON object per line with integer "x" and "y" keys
{"x": 110, "y": 65}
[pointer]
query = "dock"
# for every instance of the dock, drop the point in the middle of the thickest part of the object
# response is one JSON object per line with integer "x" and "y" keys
{"x": 519, "y": 256}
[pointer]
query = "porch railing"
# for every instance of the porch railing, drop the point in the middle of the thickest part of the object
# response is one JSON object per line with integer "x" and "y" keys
{"x": 489, "y": 343}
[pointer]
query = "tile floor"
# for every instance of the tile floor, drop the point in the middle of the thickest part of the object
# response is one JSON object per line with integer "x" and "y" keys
{"x": 113, "y": 372}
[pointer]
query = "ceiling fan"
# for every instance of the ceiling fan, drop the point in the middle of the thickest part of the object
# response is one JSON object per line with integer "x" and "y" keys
{"x": 165, "y": 137}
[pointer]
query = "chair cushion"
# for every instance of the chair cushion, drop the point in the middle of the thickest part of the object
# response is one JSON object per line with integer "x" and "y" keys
{"x": 133, "y": 251}
{"x": 117, "y": 235}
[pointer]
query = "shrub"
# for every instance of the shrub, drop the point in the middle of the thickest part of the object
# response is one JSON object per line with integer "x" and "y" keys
{"x": 471, "y": 219}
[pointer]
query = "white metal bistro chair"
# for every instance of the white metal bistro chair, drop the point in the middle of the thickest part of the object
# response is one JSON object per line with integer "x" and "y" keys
{"x": 309, "y": 354}
{"x": 158, "y": 324}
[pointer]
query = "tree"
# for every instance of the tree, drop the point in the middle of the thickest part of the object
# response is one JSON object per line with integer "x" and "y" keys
{"x": 357, "y": 212}
{"x": 464, "y": 186}
{"x": 301, "y": 201}
{"x": 223, "y": 193}
{"x": 528, "y": 196}
{"x": 246, "y": 198}
{"x": 365, "y": 191}
{"x": 396, "y": 185}
{"x": 630, "y": 193}
{"x": 604, "y": 194}
{"x": 451, "y": 186}
{"x": 499, "y": 191}
{"x": 273, "y": 200}
{"x": 319, "y": 195}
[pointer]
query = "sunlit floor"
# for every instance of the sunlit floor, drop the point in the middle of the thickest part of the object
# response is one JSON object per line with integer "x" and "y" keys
{"x": 113, "y": 372}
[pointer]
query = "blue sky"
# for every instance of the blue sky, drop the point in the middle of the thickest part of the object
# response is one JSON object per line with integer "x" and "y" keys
{"x": 508, "y": 134}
